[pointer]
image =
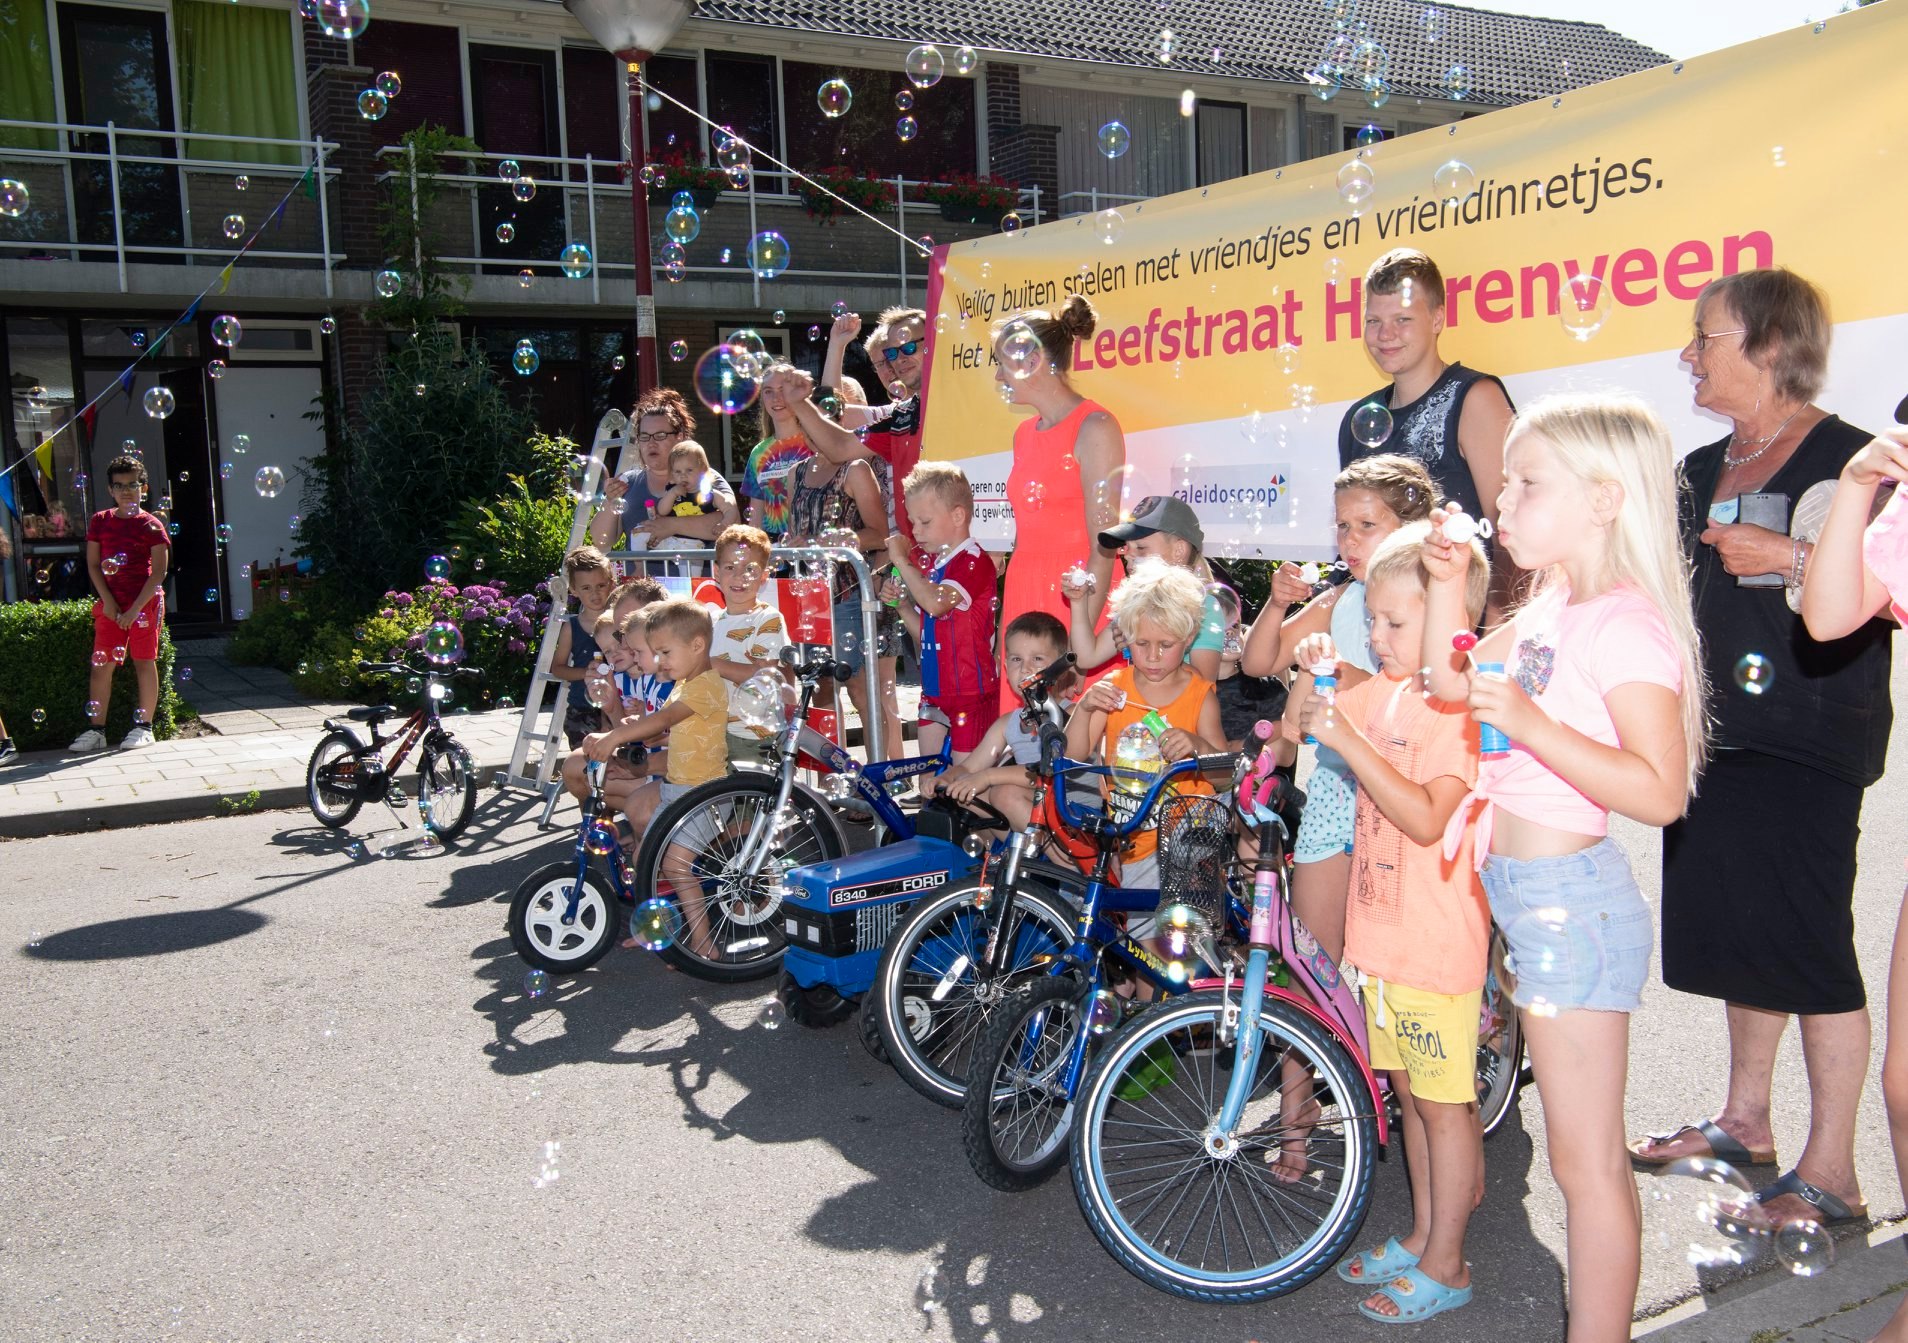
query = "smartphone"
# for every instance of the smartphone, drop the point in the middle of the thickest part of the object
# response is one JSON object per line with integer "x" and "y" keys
{"x": 1763, "y": 510}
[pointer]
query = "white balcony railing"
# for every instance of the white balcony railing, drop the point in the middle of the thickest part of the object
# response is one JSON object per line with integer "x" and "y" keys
{"x": 595, "y": 210}
{"x": 128, "y": 195}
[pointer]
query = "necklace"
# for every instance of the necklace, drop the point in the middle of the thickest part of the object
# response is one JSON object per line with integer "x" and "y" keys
{"x": 1767, "y": 443}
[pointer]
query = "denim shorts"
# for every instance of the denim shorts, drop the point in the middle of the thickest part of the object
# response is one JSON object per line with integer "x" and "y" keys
{"x": 1577, "y": 928}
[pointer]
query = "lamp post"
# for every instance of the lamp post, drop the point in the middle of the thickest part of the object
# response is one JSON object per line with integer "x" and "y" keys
{"x": 633, "y": 31}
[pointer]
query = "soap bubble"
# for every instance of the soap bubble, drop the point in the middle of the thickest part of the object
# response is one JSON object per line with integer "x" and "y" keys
{"x": 731, "y": 151}
{"x": 1168, "y": 45}
{"x": 523, "y": 189}
{"x": 159, "y": 402}
{"x": 906, "y": 128}
{"x": 904, "y": 101}
{"x": 1583, "y": 305}
{"x": 506, "y": 231}
{"x": 525, "y": 359}
{"x": 1368, "y": 135}
{"x": 327, "y": 325}
{"x": 1804, "y": 1248}
{"x": 291, "y": 525}
{"x": 437, "y": 566}
{"x": 224, "y": 530}
{"x": 1705, "y": 1210}
{"x": 673, "y": 260}
{"x": 678, "y": 350}
{"x": 1020, "y": 350}
{"x": 39, "y": 717}
{"x": 241, "y": 444}
{"x": 814, "y": 333}
{"x": 14, "y": 197}
{"x": 509, "y": 170}
{"x": 966, "y": 60}
{"x": 269, "y": 482}
{"x": 226, "y": 330}
{"x": 1010, "y": 223}
{"x": 838, "y": 308}
{"x": 1115, "y": 139}
{"x": 834, "y": 98}
{"x": 1432, "y": 21}
{"x": 215, "y": 369}
{"x": 575, "y": 260}
{"x": 1454, "y": 181}
{"x": 185, "y": 673}
{"x": 1109, "y": 224}
{"x": 771, "y": 1016}
{"x": 525, "y": 278}
{"x": 241, "y": 182}
{"x": 443, "y": 642}
{"x": 372, "y": 105}
{"x": 927, "y": 242}
{"x": 768, "y": 254}
{"x": 682, "y": 224}
{"x": 1755, "y": 674}
{"x": 618, "y": 364}
{"x": 749, "y": 341}
{"x": 1551, "y": 949}
{"x": 727, "y": 380}
{"x": 1103, "y": 1015}
{"x": 1457, "y": 82}
{"x": 536, "y": 984}
{"x": 100, "y": 659}
{"x": 388, "y": 283}
{"x": 655, "y": 924}
{"x": 925, "y": 66}
{"x": 344, "y": 18}
{"x": 1188, "y": 102}
{"x": 234, "y": 226}
{"x": 110, "y": 565}
{"x": 1356, "y": 182}
{"x": 1334, "y": 269}
{"x": 1371, "y": 424}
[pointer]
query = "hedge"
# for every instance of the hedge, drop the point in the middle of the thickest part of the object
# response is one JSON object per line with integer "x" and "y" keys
{"x": 46, "y": 653}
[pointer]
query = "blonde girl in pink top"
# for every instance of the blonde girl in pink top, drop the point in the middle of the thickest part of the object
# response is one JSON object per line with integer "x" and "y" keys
{"x": 1860, "y": 569}
{"x": 1602, "y": 699}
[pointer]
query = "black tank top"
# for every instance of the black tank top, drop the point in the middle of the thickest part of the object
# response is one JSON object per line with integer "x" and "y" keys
{"x": 1428, "y": 430}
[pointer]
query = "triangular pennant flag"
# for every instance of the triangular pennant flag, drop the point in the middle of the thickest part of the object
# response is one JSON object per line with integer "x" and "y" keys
{"x": 225, "y": 277}
{"x": 278, "y": 215}
{"x": 43, "y": 458}
{"x": 90, "y": 418}
{"x": 309, "y": 182}
{"x": 192, "y": 310}
{"x": 125, "y": 381}
{"x": 6, "y": 495}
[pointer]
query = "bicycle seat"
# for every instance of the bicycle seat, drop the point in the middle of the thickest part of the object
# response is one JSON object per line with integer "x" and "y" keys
{"x": 371, "y": 714}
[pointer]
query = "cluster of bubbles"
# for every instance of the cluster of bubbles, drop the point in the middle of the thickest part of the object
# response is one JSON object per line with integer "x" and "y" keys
{"x": 525, "y": 359}
{"x": 1705, "y": 1210}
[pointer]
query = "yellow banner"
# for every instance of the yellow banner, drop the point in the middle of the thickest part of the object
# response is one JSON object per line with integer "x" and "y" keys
{"x": 1231, "y": 319}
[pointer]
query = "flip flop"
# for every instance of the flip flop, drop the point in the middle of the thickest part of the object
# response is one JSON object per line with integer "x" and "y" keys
{"x": 1417, "y": 1297}
{"x": 1834, "y": 1212}
{"x": 1378, "y": 1265}
{"x": 1721, "y": 1146}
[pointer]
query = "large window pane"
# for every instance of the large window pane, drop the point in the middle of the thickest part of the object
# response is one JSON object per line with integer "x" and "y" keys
{"x": 236, "y": 77}
{"x": 742, "y": 98}
{"x": 1221, "y": 132}
{"x": 514, "y": 107}
{"x": 865, "y": 137}
{"x": 48, "y": 493}
{"x": 671, "y": 130}
{"x": 1153, "y": 166}
{"x": 426, "y": 57}
{"x": 593, "y": 108}
{"x": 117, "y": 70}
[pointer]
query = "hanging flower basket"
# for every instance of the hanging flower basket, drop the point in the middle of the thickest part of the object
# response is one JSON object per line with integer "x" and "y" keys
{"x": 865, "y": 190}
{"x": 967, "y": 199}
{"x": 675, "y": 171}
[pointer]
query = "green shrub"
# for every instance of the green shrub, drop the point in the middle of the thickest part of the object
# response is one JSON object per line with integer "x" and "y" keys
{"x": 518, "y": 538}
{"x": 45, "y": 663}
{"x": 275, "y": 635}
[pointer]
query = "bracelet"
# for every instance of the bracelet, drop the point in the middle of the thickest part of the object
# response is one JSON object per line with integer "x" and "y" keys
{"x": 1798, "y": 565}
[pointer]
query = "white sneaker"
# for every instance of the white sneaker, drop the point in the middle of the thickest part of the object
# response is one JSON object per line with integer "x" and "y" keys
{"x": 141, "y": 735}
{"x": 88, "y": 742}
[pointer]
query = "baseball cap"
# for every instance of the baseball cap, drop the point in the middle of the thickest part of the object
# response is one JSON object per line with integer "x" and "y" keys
{"x": 1157, "y": 513}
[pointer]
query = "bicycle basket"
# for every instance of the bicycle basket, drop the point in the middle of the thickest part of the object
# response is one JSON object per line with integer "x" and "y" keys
{"x": 1195, "y": 854}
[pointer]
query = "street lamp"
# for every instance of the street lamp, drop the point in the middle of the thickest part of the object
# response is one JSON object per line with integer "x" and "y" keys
{"x": 633, "y": 31}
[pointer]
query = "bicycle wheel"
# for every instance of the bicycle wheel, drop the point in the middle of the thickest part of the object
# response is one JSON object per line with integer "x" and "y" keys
{"x": 927, "y": 1004}
{"x": 1018, "y": 1112}
{"x": 446, "y": 789}
{"x": 1212, "y": 1218}
{"x": 331, "y": 780}
{"x": 709, "y": 826}
{"x": 536, "y": 924}
{"x": 1500, "y": 1046}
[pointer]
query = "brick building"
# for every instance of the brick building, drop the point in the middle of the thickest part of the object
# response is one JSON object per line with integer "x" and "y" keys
{"x": 146, "y": 133}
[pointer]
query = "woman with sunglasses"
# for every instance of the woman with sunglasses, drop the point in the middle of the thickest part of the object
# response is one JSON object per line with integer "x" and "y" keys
{"x": 1068, "y": 467}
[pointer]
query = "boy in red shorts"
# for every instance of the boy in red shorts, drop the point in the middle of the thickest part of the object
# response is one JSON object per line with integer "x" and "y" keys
{"x": 951, "y": 610}
{"x": 127, "y": 551}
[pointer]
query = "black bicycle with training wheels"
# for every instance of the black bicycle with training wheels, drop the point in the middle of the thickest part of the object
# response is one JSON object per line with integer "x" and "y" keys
{"x": 347, "y": 771}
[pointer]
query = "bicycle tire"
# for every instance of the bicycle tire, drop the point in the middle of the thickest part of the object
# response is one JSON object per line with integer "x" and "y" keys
{"x": 1500, "y": 1050}
{"x": 537, "y": 932}
{"x": 334, "y": 810}
{"x": 710, "y": 821}
{"x": 1017, "y": 1118}
{"x": 1131, "y": 1124}
{"x": 456, "y": 785}
{"x": 927, "y": 1006}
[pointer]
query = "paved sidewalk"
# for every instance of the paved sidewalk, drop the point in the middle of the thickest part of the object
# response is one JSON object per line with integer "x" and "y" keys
{"x": 1846, "y": 1304}
{"x": 51, "y": 792}
{"x": 234, "y": 700}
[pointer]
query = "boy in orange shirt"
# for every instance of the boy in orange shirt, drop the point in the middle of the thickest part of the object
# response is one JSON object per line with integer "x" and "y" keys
{"x": 1417, "y": 926}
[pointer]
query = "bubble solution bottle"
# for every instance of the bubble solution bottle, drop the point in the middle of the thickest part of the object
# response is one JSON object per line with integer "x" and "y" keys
{"x": 1136, "y": 759}
{"x": 1325, "y": 681}
{"x": 1491, "y": 744}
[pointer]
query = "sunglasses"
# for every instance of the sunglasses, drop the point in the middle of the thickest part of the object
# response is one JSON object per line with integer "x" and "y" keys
{"x": 894, "y": 352}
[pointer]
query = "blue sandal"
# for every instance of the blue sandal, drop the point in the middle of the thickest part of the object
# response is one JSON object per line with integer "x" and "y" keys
{"x": 1417, "y": 1297}
{"x": 1380, "y": 1265}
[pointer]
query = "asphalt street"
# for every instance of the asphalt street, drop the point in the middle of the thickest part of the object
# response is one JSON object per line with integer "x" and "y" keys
{"x": 259, "y": 1087}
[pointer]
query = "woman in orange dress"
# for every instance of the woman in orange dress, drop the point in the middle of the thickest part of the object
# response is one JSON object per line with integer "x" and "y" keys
{"x": 1069, "y": 465}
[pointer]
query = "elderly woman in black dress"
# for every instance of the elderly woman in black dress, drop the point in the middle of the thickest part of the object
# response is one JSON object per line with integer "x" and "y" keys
{"x": 1759, "y": 877}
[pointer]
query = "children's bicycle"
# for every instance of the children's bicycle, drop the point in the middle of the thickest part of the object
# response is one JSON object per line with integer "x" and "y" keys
{"x": 1224, "y": 1141}
{"x": 346, "y": 771}
{"x": 746, "y": 830}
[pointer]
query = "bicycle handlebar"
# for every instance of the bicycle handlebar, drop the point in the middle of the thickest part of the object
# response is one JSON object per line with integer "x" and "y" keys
{"x": 407, "y": 669}
{"x": 1035, "y": 687}
{"x": 1096, "y": 823}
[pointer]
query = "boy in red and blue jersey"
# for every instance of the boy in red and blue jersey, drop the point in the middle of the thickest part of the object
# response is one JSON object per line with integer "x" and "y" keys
{"x": 953, "y": 605}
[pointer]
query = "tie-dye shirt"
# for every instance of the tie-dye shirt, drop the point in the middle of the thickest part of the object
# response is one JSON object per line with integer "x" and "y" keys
{"x": 769, "y": 477}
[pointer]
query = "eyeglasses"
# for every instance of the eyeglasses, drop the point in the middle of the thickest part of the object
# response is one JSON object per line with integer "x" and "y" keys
{"x": 117, "y": 486}
{"x": 666, "y": 436}
{"x": 894, "y": 352}
{"x": 1702, "y": 338}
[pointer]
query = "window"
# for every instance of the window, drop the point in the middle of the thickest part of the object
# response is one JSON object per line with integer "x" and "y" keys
{"x": 1155, "y": 164}
{"x": 427, "y": 58}
{"x": 670, "y": 128}
{"x": 742, "y": 98}
{"x": 48, "y": 494}
{"x": 513, "y": 98}
{"x": 117, "y": 69}
{"x": 865, "y": 137}
{"x": 1220, "y": 129}
{"x": 1353, "y": 132}
{"x": 593, "y": 98}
